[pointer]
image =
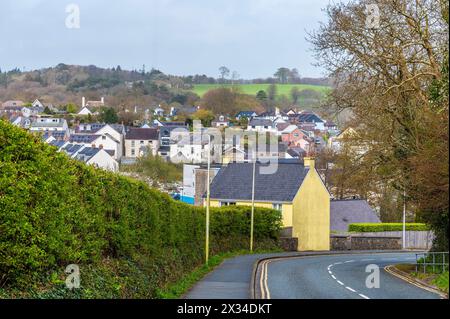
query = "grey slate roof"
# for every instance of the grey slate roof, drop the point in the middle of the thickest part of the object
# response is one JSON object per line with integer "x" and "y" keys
{"x": 345, "y": 212}
{"x": 142, "y": 134}
{"x": 260, "y": 122}
{"x": 234, "y": 182}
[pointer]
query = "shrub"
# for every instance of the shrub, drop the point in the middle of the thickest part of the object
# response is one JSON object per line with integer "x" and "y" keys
{"x": 56, "y": 211}
{"x": 380, "y": 227}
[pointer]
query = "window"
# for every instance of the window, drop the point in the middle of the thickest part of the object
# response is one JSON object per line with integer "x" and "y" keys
{"x": 142, "y": 142}
{"x": 277, "y": 206}
{"x": 103, "y": 137}
{"x": 133, "y": 143}
{"x": 133, "y": 152}
{"x": 227, "y": 203}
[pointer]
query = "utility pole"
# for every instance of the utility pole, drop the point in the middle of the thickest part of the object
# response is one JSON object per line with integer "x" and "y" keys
{"x": 208, "y": 201}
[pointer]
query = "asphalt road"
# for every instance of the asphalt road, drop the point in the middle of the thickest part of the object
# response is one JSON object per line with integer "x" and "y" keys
{"x": 337, "y": 277}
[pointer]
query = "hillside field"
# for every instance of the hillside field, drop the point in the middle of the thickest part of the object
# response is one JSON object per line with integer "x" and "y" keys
{"x": 252, "y": 89}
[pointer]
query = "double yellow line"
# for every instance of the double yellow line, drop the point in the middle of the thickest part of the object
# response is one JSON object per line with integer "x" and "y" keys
{"x": 264, "y": 289}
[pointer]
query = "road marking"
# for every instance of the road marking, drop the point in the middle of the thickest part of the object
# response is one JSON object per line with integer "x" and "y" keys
{"x": 329, "y": 271}
{"x": 265, "y": 292}
{"x": 349, "y": 261}
{"x": 351, "y": 289}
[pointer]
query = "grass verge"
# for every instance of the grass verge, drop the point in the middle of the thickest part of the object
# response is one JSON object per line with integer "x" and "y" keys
{"x": 438, "y": 280}
{"x": 179, "y": 288}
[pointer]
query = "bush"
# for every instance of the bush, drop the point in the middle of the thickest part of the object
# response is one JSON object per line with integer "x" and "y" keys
{"x": 380, "y": 227}
{"x": 56, "y": 211}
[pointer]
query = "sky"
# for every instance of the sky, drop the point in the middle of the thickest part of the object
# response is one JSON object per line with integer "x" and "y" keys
{"x": 181, "y": 37}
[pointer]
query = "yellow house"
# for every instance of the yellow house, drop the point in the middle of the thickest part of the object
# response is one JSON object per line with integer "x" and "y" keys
{"x": 294, "y": 188}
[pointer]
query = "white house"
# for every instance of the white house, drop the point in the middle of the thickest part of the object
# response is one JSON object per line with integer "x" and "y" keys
{"x": 262, "y": 126}
{"x": 104, "y": 141}
{"x": 116, "y": 132}
{"x": 49, "y": 124}
{"x": 97, "y": 157}
{"x": 186, "y": 147}
{"x": 84, "y": 111}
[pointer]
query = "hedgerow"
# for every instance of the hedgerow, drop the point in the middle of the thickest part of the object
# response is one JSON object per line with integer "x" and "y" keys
{"x": 380, "y": 227}
{"x": 56, "y": 211}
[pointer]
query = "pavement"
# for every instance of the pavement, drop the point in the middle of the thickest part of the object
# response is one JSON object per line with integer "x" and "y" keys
{"x": 336, "y": 275}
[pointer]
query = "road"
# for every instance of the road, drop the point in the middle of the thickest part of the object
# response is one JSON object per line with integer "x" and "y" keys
{"x": 335, "y": 277}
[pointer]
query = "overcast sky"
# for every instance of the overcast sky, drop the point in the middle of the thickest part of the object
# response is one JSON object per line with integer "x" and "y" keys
{"x": 253, "y": 37}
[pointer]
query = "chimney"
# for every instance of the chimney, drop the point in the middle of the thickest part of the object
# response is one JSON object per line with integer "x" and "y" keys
{"x": 309, "y": 162}
{"x": 277, "y": 111}
{"x": 83, "y": 102}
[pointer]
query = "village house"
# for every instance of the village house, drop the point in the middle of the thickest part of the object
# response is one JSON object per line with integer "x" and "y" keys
{"x": 94, "y": 156}
{"x": 112, "y": 134}
{"x": 348, "y": 211}
{"x": 43, "y": 124}
{"x": 92, "y": 103}
{"x": 245, "y": 114}
{"x": 187, "y": 147}
{"x": 308, "y": 117}
{"x": 261, "y": 126}
{"x": 295, "y": 189}
{"x": 141, "y": 141}
{"x": 194, "y": 182}
{"x": 221, "y": 121}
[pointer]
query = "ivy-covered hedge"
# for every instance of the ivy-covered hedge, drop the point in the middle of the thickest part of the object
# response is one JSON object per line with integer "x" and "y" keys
{"x": 379, "y": 227}
{"x": 55, "y": 211}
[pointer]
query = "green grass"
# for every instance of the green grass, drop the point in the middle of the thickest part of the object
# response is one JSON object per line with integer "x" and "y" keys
{"x": 252, "y": 89}
{"x": 178, "y": 289}
{"x": 441, "y": 282}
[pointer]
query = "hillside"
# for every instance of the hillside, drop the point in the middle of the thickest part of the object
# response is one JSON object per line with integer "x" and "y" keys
{"x": 129, "y": 241}
{"x": 252, "y": 89}
{"x": 65, "y": 84}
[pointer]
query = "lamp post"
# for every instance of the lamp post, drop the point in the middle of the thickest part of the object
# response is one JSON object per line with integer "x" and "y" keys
{"x": 404, "y": 220}
{"x": 207, "y": 202}
{"x": 252, "y": 216}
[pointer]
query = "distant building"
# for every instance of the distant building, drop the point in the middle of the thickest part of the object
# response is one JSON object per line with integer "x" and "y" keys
{"x": 49, "y": 124}
{"x": 349, "y": 211}
{"x": 221, "y": 121}
{"x": 84, "y": 111}
{"x": 92, "y": 103}
{"x": 141, "y": 141}
{"x": 245, "y": 114}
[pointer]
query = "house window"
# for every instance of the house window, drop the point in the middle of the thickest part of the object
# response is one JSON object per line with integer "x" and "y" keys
{"x": 253, "y": 126}
{"x": 103, "y": 137}
{"x": 277, "y": 206}
{"x": 142, "y": 142}
{"x": 133, "y": 143}
{"x": 266, "y": 127}
{"x": 227, "y": 204}
{"x": 133, "y": 152}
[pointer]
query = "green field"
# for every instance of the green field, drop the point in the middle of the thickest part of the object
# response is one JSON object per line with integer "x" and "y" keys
{"x": 252, "y": 89}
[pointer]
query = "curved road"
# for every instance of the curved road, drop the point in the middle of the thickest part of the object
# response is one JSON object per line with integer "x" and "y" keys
{"x": 336, "y": 277}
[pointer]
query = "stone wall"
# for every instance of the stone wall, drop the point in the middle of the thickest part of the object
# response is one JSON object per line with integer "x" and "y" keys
{"x": 352, "y": 242}
{"x": 289, "y": 243}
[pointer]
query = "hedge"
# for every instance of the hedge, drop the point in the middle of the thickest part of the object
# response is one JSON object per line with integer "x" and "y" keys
{"x": 56, "y": 211}
{"x": 380, "y": 227}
